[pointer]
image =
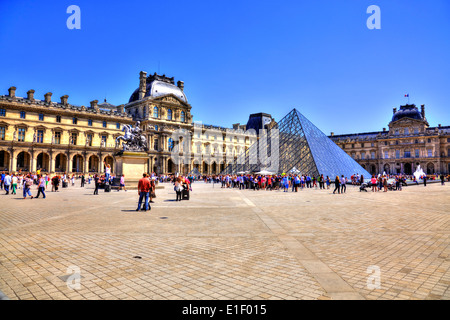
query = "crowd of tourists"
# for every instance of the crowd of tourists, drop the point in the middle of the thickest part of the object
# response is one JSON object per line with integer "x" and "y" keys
{"x": 295, "y": 182}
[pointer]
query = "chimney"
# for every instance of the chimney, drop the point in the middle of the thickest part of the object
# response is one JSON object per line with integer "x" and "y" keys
{"x": 423, "y": 111}
{"x": 332, "y": 134}
{"x": 384, "y": 129}
{"x": 30, "y": 94}
{"x": 48, "y": 97}
{"x": 395, "y": 110}
{"x": 64, "y": 99}
{"x": 120, "y": 108}
{"x": 180, "y": 85}
{"x": 142, "y": 84}
{"x": 12, "y": 92}
{"x": 439, "y": 125}
{"x": 94, "y": 104}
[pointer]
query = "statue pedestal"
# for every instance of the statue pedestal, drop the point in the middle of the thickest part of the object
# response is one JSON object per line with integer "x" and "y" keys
{"x": 132, "y": 165}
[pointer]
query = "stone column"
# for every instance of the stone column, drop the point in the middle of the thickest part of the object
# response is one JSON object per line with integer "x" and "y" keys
{"x": 69, "y": 163}
{"x": 13, "y": 159}
{"x": 51, "y": 163}
{"x": 33, "y": 161}
{"x": 86, "y": 165}
{"x": 100, "y": 164}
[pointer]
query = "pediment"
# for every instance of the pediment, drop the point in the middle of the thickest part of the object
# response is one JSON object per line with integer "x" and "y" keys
{"x": 171, "y": 98}
{"x": 405, "y": 122}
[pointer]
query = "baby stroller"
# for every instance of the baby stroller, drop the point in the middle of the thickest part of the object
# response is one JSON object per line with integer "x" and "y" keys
{"x": 364, "y": 186}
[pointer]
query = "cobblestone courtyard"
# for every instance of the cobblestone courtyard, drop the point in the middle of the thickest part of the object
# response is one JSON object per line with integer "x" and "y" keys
{"x": 227, "y": 244}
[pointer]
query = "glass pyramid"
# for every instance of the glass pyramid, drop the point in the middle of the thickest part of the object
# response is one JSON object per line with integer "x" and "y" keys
{"x": 296, "y": 143}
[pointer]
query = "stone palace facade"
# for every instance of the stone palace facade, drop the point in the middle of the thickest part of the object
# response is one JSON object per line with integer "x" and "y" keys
{"x": 58, "y": 137}
{"x": 409, "y": 142}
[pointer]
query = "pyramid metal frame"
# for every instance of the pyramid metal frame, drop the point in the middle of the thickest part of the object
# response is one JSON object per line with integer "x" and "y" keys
{"x": 301, "y": 145}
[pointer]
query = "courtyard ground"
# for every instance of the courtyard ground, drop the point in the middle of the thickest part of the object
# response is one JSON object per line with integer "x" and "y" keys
{"x": 227, "y": 244}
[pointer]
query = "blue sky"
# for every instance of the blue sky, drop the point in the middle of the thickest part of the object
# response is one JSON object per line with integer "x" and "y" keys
{"x": 238, "y": 57}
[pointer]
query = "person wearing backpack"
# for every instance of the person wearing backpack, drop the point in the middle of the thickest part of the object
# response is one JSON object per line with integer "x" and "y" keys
{"x": 27, "y": 183}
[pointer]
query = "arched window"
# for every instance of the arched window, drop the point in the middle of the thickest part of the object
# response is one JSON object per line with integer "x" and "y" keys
{"x": 170, "y": 144}
{"x": 155, "y": 112}
{"x": 183, "y": 116}
{"x": 169, "y": 114}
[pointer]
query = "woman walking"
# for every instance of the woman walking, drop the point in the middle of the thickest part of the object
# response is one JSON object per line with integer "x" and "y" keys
{"x": 337, "y": 185}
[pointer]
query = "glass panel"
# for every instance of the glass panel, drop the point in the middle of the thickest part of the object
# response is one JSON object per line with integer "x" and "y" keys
{"x": 40, "y": 136}
{"x": 21, "y": 134}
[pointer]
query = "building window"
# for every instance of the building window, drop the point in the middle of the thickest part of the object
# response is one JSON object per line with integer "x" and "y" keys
{"x": 104, "y": 124}
{"x": 40, "y": 136}
{"x": 406, "y": 131}
{"x": 155, "y": 144}
{"x": 170, "y": 144}
{"x": 2, "y": 112}
{"x": 155, "y": 112}
{"x": 90, "y": 122}
{"x": 199, "y": 149}
{"x": 385, "y": 143}
{"x": 2, "y": 133}
{"x": 416, "y": 130}
{"x": 104, "y": 139}
{"x": 22, "y": 114}
{"x": 397, "y": 154}
{"x": 58, "y": 118}
{"x": 74, "y": 120}
{"x": 430, "y": 153}
{"x": 407, "y": 154}
{"x": 57, "y": 137}
{"x": 117, "y": 125}
{"x": 183, "y": 116}
{"x": 373, "y": 155}
{"x": 169, "y": 114}
{"x": 21, "y": 135}
{"x": 41, "y": 117}
{"x": 396, "y": 132}
{"x": 429, "y": 140}
{"x": 417, "y": 153}
{"x": 386, "y": 154}
{"x": 73, "y": 138}
{"x": 363, "y": 155}
{"x": 89, "y": 139}
{"x": 156, "y": 128}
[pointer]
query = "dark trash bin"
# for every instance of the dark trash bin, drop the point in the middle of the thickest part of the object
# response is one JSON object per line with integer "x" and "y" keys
{"x": 65, "y": 184}
{"x": 107, "y": 188}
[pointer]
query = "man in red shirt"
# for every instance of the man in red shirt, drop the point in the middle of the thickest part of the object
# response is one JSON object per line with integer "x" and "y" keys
{"x": 144, "y": 191}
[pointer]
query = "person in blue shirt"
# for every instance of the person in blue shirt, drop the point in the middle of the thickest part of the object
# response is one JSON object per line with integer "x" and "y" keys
{"x": 2, "y": 178}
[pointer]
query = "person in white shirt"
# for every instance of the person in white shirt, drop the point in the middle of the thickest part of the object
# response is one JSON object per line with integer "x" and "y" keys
{"x": 7, "y": 183}
{"x": 343, "y": 184}
{"x": 14, "y": 182}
